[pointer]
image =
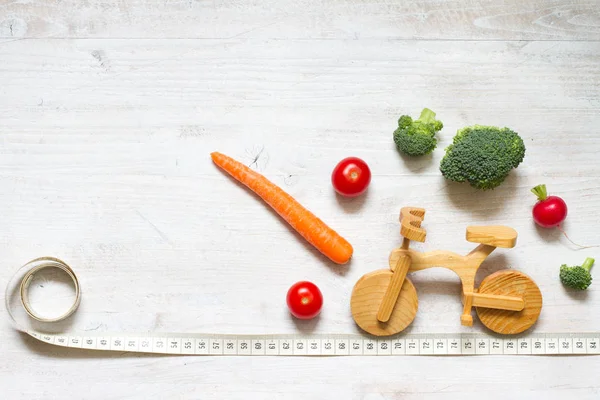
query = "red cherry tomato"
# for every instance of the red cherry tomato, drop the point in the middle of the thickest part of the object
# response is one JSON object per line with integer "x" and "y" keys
{"x": 549, "y": 211}
{"x": 304, "y": 299}
{"x": 351, "y": 177}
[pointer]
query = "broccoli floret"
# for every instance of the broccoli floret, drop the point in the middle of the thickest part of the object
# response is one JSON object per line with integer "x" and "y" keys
{"x": 577, "y": 277}
{"x": 482, "y": 156}
{"x": 417, "y": 138}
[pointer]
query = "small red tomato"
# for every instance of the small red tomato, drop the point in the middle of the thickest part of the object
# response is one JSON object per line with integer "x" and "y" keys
{"x": 304, "y": 299}
{"x": 351, "y": 177}
{"x": 549, "y": 211}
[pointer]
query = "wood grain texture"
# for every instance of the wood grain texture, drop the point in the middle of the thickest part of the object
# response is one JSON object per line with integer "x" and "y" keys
{"x": 511, "y": 283}
{"x": 466, "y": 267}
{"x": 497, "y": 235}
{"x": 108, "y": 113}
{"x": 393, "y": 290}
{"x": 499, "y": 302}
{"x": 369, "y": 293}
{"x": 304, "y": 19}
{"x": 410, "y": 225}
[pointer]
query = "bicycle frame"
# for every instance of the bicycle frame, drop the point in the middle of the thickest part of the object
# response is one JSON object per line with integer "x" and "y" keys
{"x": 466, "y": 268}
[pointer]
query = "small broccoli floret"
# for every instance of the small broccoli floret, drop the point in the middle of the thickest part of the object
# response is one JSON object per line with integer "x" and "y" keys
{"x": 417, "y": 138}
{"x": 577, "y": 277}
{"x": 482, "y": 156}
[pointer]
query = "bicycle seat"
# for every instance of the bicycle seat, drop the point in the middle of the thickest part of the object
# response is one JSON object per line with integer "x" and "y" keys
{"x": 493, "y": 235}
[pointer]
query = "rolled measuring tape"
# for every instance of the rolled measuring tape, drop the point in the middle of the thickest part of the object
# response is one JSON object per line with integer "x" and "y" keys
{"x": 49, "y": 330}
{"x": 44, "y": 264}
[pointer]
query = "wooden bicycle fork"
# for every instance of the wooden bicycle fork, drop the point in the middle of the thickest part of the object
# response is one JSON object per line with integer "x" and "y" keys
{"x": 464, "y": 266}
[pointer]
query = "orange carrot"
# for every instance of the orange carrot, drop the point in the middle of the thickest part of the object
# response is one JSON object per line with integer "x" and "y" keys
{"x": 311, "y": 228}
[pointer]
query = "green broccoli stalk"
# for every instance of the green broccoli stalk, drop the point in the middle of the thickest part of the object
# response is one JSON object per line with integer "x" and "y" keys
{"x": 577, "y": 277}
{"x": 482, "y": 156}
{"x": 417, "y": 138}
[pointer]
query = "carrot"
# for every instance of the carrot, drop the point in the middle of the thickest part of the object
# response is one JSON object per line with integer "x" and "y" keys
{"x": 311, "y": 228}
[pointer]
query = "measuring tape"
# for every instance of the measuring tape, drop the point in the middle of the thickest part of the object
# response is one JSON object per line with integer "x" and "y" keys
{"x": 279, "y": 345}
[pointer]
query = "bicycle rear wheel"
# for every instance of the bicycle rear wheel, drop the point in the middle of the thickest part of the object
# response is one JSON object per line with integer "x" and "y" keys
{"x": 510, "y": 283}
{"x": 368, "y": 294}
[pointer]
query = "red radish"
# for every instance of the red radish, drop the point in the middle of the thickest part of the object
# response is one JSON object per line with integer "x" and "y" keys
{"x": 551, "y": 211}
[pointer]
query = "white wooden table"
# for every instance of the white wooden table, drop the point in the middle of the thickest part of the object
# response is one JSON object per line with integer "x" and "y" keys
{"x": 108, "y": 113}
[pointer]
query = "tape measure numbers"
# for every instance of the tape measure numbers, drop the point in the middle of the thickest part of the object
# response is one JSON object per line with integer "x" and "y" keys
{"x": 331, "y": 345}
{"x": 283, "y": 345}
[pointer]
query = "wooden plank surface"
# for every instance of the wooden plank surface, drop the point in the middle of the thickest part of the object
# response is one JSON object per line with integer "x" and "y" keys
{"x": 306, "y": 19}
{"x": 108, "y": 113}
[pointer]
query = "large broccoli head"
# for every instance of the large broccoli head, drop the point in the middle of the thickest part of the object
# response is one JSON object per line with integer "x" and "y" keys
{"x": 417, "y": 137}
{"x": 482, "y": 156}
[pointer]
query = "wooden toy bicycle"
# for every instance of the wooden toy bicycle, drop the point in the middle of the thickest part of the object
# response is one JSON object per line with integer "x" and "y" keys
{"x": 384, "y": 302}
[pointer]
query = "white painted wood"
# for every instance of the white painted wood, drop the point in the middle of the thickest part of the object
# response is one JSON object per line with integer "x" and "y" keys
{"x": 104, "y": 142}
{"x": 306, "y": 19}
